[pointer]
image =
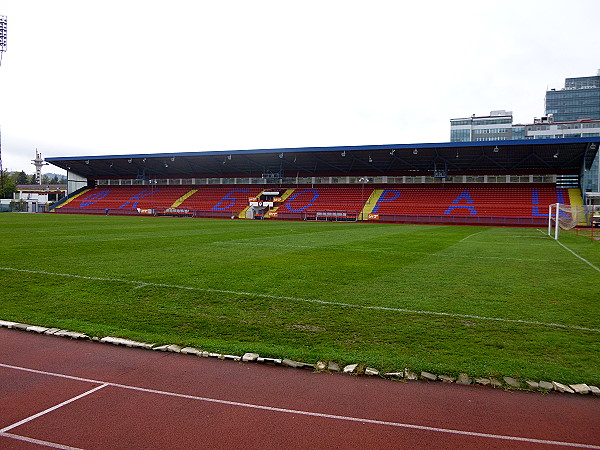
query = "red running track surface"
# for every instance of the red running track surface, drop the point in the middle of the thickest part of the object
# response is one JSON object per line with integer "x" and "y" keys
{"x": 98, "y": 396}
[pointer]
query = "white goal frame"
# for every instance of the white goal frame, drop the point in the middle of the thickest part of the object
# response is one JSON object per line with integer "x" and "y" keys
{"x": 567, "y": 217}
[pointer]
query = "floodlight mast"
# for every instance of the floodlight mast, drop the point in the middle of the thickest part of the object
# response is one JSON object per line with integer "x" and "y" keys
{"x": 2, "y": 50}
{"x": 2, "y": 36}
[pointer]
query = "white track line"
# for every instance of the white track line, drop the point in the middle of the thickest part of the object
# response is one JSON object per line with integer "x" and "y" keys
{"x": 308, "y": 413}
{"x": 140, "y": 284}
{"x": 53, "y": 408}
{"x": 38, "y": 441}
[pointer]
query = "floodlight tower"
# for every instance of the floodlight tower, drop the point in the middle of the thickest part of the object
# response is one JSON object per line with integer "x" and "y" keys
{"x": 2, "y": 50}
{"x": 2, "y": 36}
{"x": 38, "y": 162}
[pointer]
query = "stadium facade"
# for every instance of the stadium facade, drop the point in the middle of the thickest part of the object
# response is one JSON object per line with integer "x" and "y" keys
{"x": 500, "y": 182}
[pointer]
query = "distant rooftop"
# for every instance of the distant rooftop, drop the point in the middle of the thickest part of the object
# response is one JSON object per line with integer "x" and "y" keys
{"x": 41, "y": 187}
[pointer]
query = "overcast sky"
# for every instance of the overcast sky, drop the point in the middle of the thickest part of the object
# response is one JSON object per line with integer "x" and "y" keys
{"x": 90, "y": 77}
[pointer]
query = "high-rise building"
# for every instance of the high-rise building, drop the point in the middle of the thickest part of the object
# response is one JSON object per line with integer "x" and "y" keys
{"x": 579, "y": 99}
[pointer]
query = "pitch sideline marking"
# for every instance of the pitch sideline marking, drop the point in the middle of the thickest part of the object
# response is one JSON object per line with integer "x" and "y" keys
{"x": 305, "y": 413}
{"x": 572, "y": 252}
{"x": 580, "y": 257}
{"x": 140, "y": 284}
{"x": 473, "y": 234}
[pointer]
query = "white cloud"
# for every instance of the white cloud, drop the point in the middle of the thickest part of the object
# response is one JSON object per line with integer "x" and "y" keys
{"x": 131, "y": 76}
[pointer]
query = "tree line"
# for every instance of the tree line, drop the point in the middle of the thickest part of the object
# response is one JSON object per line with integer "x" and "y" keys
{"x": 10, "y": 180}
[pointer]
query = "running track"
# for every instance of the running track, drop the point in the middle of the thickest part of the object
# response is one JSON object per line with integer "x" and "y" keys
{"x": 62, "y": 393}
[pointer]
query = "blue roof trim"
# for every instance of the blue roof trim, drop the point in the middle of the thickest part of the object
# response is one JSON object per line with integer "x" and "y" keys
{"x": 439, "y": 145}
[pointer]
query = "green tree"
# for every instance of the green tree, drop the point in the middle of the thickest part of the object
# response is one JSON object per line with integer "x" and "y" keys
{"x": 22, "y": 178}
{"x": 7, "y": 185}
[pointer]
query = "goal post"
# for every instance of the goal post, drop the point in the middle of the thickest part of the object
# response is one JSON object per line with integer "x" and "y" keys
{"x": 567, "y": 217}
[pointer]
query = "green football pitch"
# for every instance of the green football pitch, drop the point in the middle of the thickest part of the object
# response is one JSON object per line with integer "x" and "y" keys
{"x": 445, "y": 299}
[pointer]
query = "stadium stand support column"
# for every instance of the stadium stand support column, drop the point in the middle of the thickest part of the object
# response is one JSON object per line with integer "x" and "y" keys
{"x": 73, "y": 198}
{"x": 183, "y": 198}
{"x": 371, "y": 202}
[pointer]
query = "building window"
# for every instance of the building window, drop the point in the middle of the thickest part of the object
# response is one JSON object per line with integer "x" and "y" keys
{"x": 460, "y": 135}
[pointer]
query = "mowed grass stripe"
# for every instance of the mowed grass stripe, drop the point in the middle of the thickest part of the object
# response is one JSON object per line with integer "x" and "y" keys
{"x": 185, "y": 281}
{"x": 140, "y": 284}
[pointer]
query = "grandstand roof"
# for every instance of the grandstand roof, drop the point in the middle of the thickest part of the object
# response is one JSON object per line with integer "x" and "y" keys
{"x": 458, "y": 158}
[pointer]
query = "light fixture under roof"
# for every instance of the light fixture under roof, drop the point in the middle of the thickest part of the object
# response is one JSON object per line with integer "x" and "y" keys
{"x": 393, "y": 151}
{"x": 496, "y": 149}
{"x": 415, "y": 151}
{"x": 344, "y": 153}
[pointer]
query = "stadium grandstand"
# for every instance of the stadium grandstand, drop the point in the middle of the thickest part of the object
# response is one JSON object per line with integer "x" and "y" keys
{"x": 493, "y": 183}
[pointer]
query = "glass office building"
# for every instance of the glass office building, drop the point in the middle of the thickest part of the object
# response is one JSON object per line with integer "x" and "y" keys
{"x": 579, "y": 99}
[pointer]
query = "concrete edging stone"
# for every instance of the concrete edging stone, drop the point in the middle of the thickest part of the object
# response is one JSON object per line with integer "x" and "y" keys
{"x": 320, "y": 366}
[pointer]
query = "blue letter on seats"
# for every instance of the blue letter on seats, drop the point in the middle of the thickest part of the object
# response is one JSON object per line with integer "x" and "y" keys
{"x": 232, "y": 200}
{"x": 464, "y": 195}
{"x": 394, "y": 194}
{"x": 136, "y": 198}
{"x": 302, "y": 208}
{"x": 91, "y": 199}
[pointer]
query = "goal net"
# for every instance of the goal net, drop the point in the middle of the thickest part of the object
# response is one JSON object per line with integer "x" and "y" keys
{"x": 567, "y": 217}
